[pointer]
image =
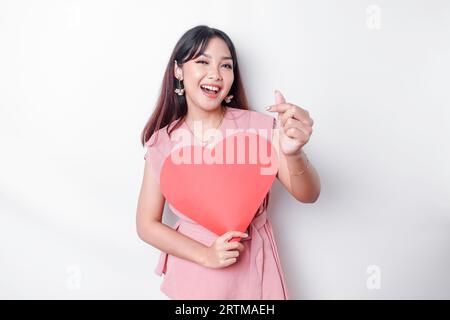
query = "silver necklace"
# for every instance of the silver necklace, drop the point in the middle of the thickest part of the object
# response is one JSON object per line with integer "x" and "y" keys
{"x": 209, "y": 140}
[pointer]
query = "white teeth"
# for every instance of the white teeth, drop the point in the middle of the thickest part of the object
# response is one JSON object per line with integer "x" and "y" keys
{"x": 211, "y": 88}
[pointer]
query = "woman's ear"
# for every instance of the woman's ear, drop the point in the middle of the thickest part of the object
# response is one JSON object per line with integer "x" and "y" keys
{"x": 177, "y": 71}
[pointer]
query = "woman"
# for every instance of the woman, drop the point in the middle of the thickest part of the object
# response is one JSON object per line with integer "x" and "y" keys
{"x": 202, "y": 87}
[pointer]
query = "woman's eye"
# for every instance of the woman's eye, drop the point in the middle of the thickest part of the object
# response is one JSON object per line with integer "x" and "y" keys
{"x": 229, "y": 65}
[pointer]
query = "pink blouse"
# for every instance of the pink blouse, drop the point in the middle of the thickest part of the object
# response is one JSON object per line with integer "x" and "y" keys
{"x": 257, "y": 273}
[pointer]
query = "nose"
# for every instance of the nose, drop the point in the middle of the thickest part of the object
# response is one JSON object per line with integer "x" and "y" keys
{"x": 214, "y": 74}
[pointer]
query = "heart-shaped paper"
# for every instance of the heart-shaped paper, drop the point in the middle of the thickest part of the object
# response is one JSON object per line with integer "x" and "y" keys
{"x": 220, "y": 195}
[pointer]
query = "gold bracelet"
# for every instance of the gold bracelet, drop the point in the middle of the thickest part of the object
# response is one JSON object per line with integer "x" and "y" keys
{"x": 292, "y": 173}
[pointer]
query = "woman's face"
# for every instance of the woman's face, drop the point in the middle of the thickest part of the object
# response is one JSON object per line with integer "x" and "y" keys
{"x": 214, "y": 67}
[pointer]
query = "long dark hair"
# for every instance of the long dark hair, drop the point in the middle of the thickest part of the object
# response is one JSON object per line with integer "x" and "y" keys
{"x": 170, "y": 106}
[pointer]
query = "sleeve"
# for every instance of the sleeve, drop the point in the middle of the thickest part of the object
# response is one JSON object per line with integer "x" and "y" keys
{"x": 153, "y": 155}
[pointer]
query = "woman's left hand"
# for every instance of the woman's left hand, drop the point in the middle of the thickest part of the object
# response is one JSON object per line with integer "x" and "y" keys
{"x": 294, "y": 125}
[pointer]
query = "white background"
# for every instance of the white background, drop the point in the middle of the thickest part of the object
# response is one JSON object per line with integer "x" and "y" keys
{"x": 79, "y": 79}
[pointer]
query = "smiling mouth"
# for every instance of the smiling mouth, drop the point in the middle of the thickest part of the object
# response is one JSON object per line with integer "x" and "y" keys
{"x": 210, "y": 93}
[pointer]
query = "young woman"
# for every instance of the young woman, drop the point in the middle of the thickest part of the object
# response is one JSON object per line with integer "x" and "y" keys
{"x": 202, "y": 85}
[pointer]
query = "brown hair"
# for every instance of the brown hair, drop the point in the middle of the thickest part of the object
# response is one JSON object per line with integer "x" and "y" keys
{"x": 170, "y": 106}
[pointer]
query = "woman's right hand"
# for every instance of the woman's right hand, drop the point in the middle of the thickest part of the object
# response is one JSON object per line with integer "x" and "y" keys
{"x": 222, "y": 253}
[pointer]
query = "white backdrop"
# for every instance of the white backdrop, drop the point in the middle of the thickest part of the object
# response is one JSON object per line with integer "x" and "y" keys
{"x": 79, "y": 79}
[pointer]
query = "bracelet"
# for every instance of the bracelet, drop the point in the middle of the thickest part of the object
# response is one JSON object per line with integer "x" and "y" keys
{"x": 299, "y": 173}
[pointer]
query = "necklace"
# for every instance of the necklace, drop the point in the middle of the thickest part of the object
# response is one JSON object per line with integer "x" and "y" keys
{"x": 209, "y": 140}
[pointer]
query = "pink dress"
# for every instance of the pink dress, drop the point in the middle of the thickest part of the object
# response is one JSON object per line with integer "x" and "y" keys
{"x": 257, "y": 273}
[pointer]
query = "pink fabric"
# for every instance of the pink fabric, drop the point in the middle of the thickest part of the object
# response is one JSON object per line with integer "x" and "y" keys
{"x": 257, "y": 274}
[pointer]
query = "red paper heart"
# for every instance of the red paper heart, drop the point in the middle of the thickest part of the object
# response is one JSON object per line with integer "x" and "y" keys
{"x": 221, "y": 197}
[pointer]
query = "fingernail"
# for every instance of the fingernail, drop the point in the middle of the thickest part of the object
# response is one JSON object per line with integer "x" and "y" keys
{"x": 245, "y": 235}
{"x": 268, "y": 108}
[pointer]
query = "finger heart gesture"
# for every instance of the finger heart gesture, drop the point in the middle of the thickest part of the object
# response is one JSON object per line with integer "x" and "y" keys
{"x": 294, "y": 125}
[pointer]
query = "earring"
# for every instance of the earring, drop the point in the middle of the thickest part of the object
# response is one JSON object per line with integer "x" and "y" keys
{"x": 179, "y": 91}
{"x": 228, "y": 98}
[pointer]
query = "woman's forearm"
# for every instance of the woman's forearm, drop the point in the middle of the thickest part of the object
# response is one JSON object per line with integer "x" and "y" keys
{"x": 168, "y": 240}
{"x": 304, "y": 179}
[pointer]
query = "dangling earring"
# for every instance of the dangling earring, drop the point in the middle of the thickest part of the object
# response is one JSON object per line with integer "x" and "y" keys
{"x": 228, "y": 98}
{"x": 179, "y": 91}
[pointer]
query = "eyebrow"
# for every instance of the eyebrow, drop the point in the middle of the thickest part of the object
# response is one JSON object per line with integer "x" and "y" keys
{"x": 223, "y": 58}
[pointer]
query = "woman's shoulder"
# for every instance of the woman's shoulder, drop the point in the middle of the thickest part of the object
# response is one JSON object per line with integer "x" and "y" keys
{"x": 158, "y": 145}
{"x": 159, "y": 137}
